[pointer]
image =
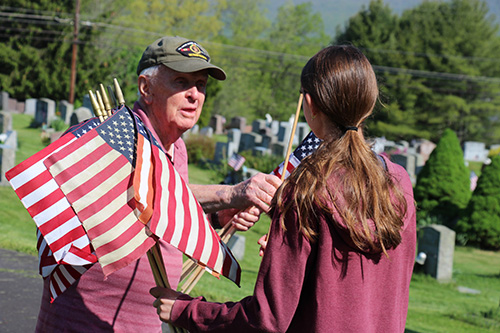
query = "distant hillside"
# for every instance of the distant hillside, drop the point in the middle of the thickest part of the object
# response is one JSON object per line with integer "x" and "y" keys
{"x": 337, "y": 12}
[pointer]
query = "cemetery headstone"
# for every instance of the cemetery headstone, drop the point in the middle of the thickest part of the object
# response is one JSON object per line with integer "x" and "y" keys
{"x": 79, "y": 115}
{"x": 30, "y": 106}
{"x": 438, "y": 243}
{"x": 5, "y": 122}
{"x": 258, "y": 125}
{"x": 220, "y": 151}
{"x": 86, "y": 103}
{"x": 65, "y": 110}
{"x": 20, "y": 107}
{"x": 234, "y": 137}
{"x": 279, "y": 149}
{"x": 239, "y": 123}
{"x": 217, "y": 123}
{"x": 7, "y": 155}
{"x": 4, "y": 100}
{"x": 475, "y": 151}
{"x": 45, "y": 111}
{"x": 249, "y": 140}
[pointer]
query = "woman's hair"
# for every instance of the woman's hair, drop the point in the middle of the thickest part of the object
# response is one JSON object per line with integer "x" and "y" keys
{"x": 343, "y": 86}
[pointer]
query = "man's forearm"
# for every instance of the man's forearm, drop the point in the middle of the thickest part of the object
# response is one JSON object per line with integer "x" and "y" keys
{"x": 213, "y": 197}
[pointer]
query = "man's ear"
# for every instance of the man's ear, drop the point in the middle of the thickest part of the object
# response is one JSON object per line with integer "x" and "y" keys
{"x": 144, "y": 86}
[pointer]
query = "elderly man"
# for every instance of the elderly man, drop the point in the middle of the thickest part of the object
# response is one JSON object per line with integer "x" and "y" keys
{"x": 173, "y": 74}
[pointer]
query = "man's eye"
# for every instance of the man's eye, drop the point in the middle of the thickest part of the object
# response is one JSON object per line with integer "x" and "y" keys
{"x": 201, "y": 85}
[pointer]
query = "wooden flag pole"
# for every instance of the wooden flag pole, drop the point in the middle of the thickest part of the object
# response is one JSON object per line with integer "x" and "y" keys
{"x": 292, "y": 134}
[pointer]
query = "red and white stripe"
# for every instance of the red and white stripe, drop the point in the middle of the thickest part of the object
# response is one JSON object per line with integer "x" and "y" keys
{"x": 61, "y": 238}
{"x": 47, "y": 204}
{"x": 293, "y": 162}
{"x": 96, "y": 180}
{"x": 179, "y": 219}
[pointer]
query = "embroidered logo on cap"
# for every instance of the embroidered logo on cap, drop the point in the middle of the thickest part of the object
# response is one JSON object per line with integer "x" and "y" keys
{"x": 192, "y": 49}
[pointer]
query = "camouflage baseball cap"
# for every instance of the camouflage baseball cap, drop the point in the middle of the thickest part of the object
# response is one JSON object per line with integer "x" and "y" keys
{"x": 181, "y": 55}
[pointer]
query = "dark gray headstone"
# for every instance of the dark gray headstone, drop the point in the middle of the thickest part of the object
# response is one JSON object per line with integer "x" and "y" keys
{"x": 284, "y": 132}
{"x": 45, "y": 111}
{"x": 258, "y": 126}
{"x": 249, "y": 140}
{"x": 268, "y": 140}
{"x": 65, "y": 110}
{"x": 86, "y": 103}
{"x": 438, "y": 243}
{"x": 279, "y": 149}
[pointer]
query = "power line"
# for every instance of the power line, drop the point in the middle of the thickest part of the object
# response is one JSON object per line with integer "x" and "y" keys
{"x": 55, "y": 20}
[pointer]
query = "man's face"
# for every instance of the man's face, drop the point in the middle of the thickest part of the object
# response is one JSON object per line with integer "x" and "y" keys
{"x": 176, "y": 102}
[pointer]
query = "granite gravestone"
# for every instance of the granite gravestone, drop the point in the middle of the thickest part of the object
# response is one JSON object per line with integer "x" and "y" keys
{"x": 438, "y": 243}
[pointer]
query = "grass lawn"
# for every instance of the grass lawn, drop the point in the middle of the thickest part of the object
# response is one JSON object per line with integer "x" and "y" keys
{"x": 434, "y": 307}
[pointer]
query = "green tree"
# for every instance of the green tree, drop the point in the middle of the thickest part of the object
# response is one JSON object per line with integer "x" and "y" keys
{"x": 480, "y": 224}
{"x": 435, "y": 71}
{"x": 35, "y": 57}
{"x": 264, "y": 73}
{"x": 443, "y": 185}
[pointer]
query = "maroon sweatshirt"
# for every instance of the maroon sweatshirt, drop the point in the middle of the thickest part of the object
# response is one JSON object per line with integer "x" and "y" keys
{"x": 325, "y": 286}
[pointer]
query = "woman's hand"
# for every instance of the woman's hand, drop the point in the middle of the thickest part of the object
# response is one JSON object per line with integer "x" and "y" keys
{"x": 165, "y": 299}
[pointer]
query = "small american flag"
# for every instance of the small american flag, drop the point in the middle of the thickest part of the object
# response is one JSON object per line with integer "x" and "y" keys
{"x": 306, "y": 148}
{"x": 62, "y": 241}
{"x": 114, "y": 199}
{"x": 236, "y": 161}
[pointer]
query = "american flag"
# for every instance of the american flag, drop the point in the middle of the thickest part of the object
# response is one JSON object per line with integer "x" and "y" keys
{"x": 114, "y": 199}
{"x": 306, "y": 148}
{"x": 64, "y": 249}
{"x": 236, "y": 161}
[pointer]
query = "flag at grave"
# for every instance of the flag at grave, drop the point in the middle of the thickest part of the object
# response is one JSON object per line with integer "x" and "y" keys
{"x": 236, "y": 161}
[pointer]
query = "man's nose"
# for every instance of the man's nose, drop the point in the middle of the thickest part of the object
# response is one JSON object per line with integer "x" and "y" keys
{"x": 193, "y": 92}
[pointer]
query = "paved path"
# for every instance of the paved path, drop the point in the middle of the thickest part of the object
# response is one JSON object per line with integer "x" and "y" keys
{"x": 20, "y": 292}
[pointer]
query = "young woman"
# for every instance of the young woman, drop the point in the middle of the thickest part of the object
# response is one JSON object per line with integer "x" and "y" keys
{"x": 341, "y": 247}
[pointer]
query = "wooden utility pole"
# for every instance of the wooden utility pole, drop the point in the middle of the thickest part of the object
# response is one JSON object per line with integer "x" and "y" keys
{"x": 71, "y": 98}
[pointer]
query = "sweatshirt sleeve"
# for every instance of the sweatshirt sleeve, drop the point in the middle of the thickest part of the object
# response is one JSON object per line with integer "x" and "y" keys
{"x": 276, "y": 295}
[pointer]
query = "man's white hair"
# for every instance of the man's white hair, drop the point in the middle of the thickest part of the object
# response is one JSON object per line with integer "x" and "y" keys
{"x": 150, "y": 71}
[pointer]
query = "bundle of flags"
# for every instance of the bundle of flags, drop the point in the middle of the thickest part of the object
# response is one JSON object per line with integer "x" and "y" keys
{"x": 107, "y": 192}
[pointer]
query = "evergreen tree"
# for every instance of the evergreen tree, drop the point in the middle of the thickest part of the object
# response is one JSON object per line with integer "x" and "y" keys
{"x": 443, "y": 184}
{"x": 480, "y": 224}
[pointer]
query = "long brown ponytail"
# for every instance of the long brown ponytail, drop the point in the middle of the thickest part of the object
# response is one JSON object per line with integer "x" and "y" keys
{"x": 343, "y": 86}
